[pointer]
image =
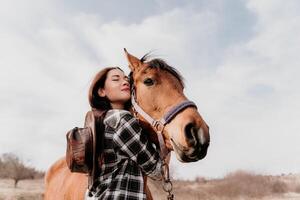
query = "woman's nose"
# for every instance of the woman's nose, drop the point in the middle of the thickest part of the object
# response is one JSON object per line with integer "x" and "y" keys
{"x": 126, "y": 82}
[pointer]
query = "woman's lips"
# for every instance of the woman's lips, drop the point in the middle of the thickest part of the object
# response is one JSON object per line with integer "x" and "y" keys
{"x": 125, "y": 89}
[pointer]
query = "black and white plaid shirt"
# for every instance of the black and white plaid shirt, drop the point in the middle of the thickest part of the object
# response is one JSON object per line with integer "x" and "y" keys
{"x": 127, "y": 156}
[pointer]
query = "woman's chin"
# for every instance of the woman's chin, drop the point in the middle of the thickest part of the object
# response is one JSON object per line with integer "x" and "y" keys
{"x": 125, "y": 98}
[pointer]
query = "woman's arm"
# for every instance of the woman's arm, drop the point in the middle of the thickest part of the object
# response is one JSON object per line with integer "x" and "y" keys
{"x": 133, "y": 143}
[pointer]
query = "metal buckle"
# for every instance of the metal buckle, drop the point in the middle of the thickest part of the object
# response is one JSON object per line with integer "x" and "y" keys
{"x": 167, "y": 186}
{"x": 159, "y": 127}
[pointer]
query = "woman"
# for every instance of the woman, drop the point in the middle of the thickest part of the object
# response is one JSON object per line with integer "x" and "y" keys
{"x": 127, "y": 154}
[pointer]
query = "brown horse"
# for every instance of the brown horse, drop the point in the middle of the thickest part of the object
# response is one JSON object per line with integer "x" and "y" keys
{"x": 158, "y": 88}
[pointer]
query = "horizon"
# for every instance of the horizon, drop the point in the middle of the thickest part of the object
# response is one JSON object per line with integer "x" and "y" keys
{"x": 176, "y": 178}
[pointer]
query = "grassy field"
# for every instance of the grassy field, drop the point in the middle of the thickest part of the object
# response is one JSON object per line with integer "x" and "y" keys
{"x": 236, "y": 186}
{"x": 26, "y": 190}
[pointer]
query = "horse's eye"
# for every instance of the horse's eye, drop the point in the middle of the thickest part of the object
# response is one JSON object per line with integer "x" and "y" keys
{"x": 148, "y": 82}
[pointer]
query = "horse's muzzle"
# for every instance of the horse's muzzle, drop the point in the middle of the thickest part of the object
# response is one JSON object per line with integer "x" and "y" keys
{"x": 197, "y": 141}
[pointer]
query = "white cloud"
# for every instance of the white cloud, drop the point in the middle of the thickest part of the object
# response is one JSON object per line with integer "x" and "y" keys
{"x": 246, "y": 87}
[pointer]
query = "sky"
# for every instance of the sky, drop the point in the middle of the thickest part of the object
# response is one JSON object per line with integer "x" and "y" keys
{"x": 240, "y": 60}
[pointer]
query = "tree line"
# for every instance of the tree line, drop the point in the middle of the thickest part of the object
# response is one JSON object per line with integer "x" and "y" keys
{"x": 12, "y": 167}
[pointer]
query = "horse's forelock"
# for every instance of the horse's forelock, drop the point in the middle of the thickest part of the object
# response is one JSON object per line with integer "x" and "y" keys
{"x": 161, "y": 64}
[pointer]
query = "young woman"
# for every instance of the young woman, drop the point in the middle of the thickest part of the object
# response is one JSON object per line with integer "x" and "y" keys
{"x": 127, "y": 153}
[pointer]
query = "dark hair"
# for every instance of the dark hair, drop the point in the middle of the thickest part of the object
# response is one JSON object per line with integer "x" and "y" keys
{"x": 97, "y": 102}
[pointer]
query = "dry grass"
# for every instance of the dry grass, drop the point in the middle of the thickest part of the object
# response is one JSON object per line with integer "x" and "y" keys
{"x": 297, "y": 188}
{"x": 239, "y": 185}
{"x": 235, "y": 186}
{"x": 26, "y": 190}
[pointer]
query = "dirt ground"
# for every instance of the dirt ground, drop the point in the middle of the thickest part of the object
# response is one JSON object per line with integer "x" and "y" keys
{"x": 183, "y": 190}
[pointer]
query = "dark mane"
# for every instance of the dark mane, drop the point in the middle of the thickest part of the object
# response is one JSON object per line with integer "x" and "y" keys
{"x": 161, "y": 64}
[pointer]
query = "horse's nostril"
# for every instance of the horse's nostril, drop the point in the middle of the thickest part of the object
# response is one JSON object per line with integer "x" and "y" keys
{"x": 190, "y": 133}
{"x": 195, "y": 135}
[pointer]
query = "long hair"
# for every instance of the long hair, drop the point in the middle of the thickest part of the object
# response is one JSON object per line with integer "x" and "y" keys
{"x": 97, "y": 102}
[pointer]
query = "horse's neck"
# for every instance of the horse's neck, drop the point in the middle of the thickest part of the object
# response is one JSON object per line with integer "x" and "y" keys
{"x": 147, "y": 128}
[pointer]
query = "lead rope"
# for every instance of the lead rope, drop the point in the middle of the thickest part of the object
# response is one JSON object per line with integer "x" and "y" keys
{"x": 167, "y": 183}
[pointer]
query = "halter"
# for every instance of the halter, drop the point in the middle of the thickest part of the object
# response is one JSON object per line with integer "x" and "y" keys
{"x": 159, "y": 126}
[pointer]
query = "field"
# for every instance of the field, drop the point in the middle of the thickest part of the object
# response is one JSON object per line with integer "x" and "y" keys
{"x": 26, "y": 190}
{"x": 236, "y": 186}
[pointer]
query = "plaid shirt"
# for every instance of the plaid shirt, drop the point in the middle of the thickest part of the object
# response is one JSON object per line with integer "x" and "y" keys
{"x": 127, "y": 156}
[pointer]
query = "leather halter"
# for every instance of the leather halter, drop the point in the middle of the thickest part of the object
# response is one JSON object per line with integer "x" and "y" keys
{"x": 159, "y": 125}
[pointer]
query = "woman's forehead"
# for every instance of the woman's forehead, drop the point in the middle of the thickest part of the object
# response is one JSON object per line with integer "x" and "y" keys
{"x": 114, "y": 72}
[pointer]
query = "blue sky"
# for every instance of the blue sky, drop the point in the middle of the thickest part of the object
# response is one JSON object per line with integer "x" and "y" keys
{"x": 240, "y": 60}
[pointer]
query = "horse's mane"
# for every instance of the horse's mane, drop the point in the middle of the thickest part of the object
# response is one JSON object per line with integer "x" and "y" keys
{"x": 163, "y": 65}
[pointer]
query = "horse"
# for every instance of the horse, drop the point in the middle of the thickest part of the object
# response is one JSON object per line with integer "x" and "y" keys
{"x": 158, "y": 88}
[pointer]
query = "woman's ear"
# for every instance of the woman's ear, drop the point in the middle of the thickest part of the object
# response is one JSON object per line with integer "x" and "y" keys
{"x": 101, "y": 92}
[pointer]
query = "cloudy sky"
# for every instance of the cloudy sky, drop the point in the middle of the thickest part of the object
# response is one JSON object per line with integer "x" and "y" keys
{"x": 240, "y": 60}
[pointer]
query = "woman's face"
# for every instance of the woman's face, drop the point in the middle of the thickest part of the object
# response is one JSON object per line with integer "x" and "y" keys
{"x": 116, "y": 88}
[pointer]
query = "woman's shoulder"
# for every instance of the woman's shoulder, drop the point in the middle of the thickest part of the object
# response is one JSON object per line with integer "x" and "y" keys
{"x": 113, "y": 117}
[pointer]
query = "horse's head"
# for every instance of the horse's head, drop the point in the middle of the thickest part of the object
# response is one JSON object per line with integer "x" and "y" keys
{"x": 159, "y": 88}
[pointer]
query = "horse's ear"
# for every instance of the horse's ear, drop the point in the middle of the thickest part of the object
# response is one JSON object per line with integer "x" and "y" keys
{"x": 134, "y": 62}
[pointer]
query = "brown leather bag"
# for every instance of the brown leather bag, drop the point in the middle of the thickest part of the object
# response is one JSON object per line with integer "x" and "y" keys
{"x": 84, "y": 145}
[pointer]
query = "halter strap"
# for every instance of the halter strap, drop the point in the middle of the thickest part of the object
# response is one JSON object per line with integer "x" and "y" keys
{"x": 175, "y": 110}
{"x": 139, "y": 110}
{"x": 159, "y": 125}
{"x": 167, "y": 117}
